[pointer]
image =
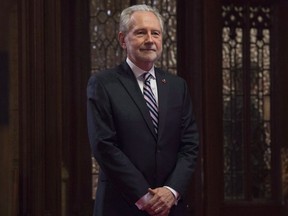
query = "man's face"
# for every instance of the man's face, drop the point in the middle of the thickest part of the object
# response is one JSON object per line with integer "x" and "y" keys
{"x": 143, "y": 42}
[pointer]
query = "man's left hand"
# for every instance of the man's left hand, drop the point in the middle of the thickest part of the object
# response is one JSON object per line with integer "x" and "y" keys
{"x": 161, "y": 202}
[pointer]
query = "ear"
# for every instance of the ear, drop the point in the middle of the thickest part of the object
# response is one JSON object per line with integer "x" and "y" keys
{"x": 121, "y": 38}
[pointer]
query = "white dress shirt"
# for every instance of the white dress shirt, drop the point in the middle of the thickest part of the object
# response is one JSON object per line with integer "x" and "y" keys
{"x": 138, "y": 72}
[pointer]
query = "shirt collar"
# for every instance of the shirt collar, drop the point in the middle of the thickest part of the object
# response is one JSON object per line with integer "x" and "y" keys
{"x": 138, "y": 72}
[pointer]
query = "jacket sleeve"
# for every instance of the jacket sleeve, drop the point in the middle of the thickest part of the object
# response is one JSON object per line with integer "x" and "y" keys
{"x": 180, "y": 177}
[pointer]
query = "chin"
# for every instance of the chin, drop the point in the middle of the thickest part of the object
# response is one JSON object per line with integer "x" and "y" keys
{"x": 150, "y": 58}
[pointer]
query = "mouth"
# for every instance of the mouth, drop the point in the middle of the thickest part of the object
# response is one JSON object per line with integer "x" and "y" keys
{"x": 148, "y": 50}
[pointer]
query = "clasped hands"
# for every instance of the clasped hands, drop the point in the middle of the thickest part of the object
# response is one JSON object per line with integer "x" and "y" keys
{"x": 161, "y": 202}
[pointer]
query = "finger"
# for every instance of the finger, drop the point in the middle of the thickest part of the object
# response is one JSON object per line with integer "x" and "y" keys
{"x": 162, "y": 213}
{"x": 161, "y": 202}
{"x": 152, "y": 191}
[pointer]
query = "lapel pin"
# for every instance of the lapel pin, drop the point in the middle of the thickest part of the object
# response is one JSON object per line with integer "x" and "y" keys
{"x": 163, "y": 81}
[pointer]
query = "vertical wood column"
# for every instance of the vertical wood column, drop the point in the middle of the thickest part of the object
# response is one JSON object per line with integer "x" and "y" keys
{"x": 213, "y": 136}
{"x": 31, "y": 122}
{"x": 281, "y": 95}
{"x": 189, "y": 66}
{"x": 199, "y": 62}
{"x": 41, "y": 108}
{"x": 76, "y": 70}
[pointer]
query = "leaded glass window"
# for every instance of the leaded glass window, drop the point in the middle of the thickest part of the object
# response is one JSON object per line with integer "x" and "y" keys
{"x": 246, "y": 70}
{"x": 105, "y": 49}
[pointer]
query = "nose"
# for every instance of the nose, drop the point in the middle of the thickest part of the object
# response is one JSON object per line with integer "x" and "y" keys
{"x": 149, "y": 37}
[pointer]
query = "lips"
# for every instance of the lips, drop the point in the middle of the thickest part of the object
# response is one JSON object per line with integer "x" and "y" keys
{"x": 154, "y": 50}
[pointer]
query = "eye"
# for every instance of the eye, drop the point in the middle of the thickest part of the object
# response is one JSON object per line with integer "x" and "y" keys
{"x": 140, "y": 32}
{"x": 156, "y": 33}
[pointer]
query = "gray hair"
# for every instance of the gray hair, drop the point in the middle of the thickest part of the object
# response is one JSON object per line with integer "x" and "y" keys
{"x": 125, "y": 17}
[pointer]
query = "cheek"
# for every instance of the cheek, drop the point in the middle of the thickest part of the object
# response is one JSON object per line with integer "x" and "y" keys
{"x": 133, "y": 45}
{"x": 159, "y": 44}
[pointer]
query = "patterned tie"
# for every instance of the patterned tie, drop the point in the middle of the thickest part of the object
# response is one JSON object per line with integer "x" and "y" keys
{"x": 150, "y": 100}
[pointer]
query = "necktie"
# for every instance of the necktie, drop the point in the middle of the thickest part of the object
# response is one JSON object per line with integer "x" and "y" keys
{"x": 150, "y": 100}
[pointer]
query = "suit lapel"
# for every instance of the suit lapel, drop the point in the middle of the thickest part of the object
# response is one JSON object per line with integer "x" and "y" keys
{"x": 129, "y": 82}
{"x": 162, "y": 87}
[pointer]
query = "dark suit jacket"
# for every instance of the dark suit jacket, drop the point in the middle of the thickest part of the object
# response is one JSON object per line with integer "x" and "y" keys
{"x": 131, "y": 156}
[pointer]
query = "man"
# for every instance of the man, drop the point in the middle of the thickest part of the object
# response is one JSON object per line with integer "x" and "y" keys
{"x": 146, "y": 156}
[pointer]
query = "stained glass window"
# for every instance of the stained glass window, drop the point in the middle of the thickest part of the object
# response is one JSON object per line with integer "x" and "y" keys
{"x": 246, "y": 70}
{"x": 105, "y": 49}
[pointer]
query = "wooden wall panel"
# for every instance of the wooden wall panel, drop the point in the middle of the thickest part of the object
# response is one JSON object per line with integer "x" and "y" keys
{"x": 55, "y": 168}
{"x": 8, "y": 108}
{"x": 38, "y": 170}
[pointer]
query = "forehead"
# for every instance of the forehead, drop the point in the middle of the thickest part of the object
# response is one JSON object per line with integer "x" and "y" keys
{"x": 144, "y": 19}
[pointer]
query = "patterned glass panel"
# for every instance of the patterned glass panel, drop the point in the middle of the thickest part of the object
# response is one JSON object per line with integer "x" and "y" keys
{"x": 233, "y": 98}
{"x": 246, "y": 102}
{"x": 106, "y": 51}
{"x": 260, "y": 102}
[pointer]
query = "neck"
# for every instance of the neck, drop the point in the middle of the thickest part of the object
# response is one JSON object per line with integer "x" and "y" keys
{"x": 145, "y": 66}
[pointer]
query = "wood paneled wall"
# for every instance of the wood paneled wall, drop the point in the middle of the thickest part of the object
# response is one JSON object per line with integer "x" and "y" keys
{"x": 55, "y": 169}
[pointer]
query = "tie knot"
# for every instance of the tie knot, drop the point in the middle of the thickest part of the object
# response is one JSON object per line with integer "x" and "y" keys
{"x": 147, "y": 76}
